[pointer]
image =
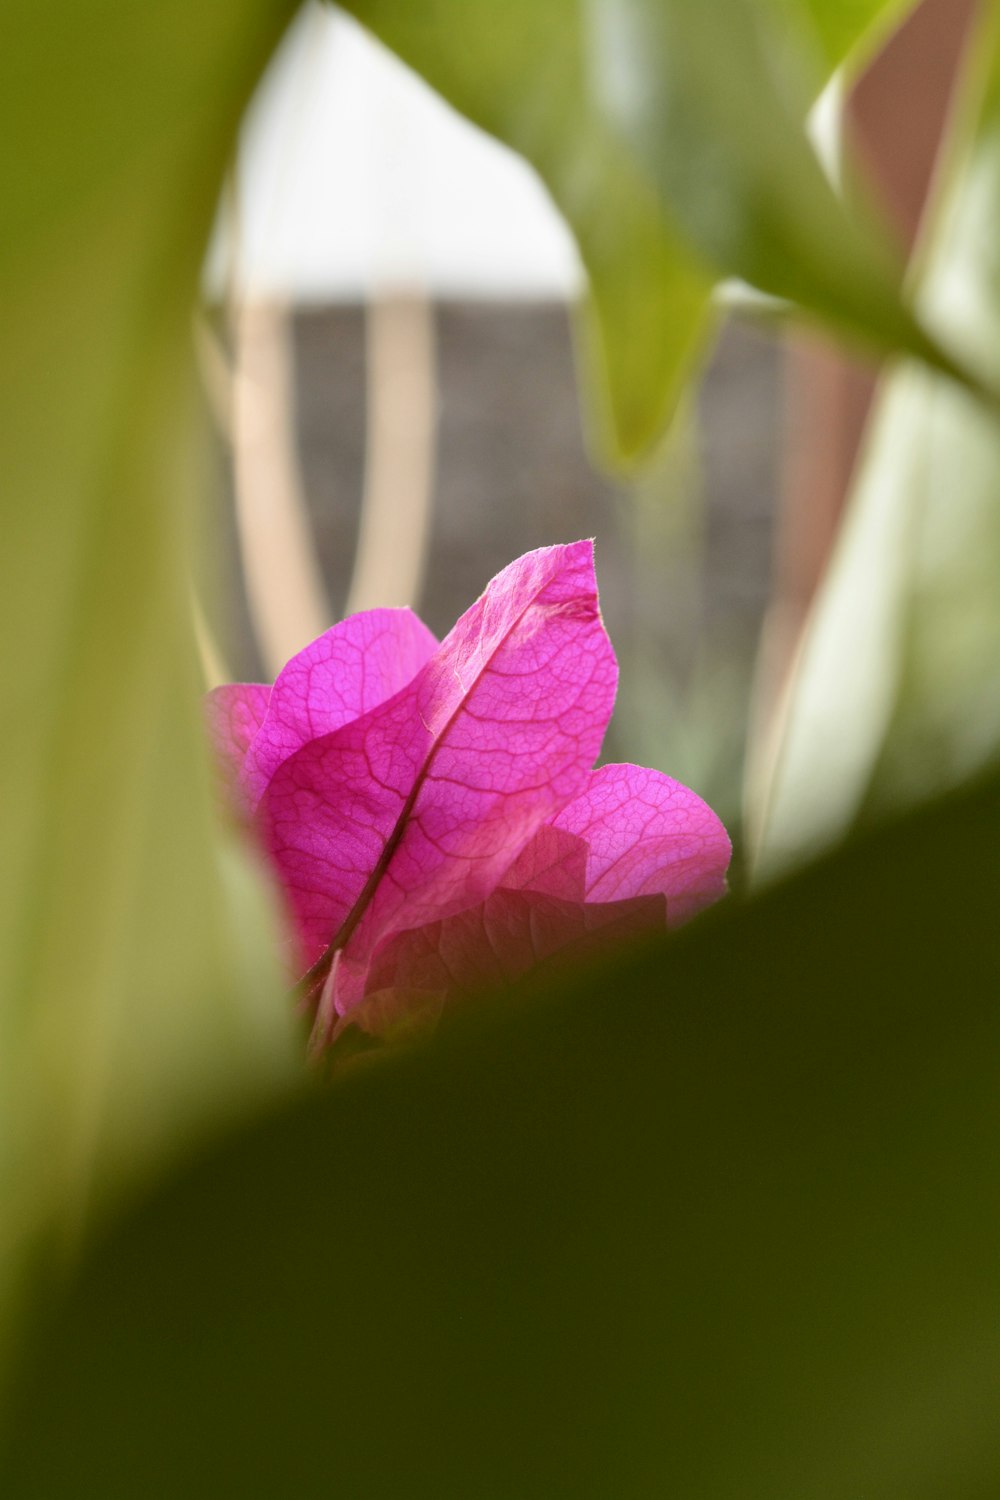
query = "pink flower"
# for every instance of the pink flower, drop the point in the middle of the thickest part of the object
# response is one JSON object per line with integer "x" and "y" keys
{"x": 431, "y": 810}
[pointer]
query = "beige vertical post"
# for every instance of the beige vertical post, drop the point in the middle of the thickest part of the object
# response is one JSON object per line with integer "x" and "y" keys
{"x": 285, "y": 592}
{"x": 395, "y": 521}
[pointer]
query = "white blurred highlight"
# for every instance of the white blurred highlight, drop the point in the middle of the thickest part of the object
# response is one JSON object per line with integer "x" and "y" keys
{"x": 354, "y": 177}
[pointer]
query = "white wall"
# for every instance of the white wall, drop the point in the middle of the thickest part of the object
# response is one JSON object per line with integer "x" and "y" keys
{"x": 354, "y": 176}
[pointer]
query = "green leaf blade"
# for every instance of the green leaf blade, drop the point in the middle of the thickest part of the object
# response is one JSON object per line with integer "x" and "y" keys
{"x": 719, "y": 1221}
{"x": 126, "y": 1011}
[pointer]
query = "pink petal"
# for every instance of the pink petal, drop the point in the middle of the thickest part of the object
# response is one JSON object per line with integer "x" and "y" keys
{"x": 234, "y": 714}
{"x": 416, "y": 810}
{"x": 596, "y": 874}
{"x": 553, "y": 862}
{"x": 646, "y": 833}
{"x": 502, "y": 938}
{"x": 351, "y": 668}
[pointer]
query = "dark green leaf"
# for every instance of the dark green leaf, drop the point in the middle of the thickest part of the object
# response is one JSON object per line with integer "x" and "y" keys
{"x": 722, "y": 1223}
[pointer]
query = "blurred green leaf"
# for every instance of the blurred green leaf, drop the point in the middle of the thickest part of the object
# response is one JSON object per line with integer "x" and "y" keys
{"x": 719, "y": 1222}
{"x": 137, "y": 991}
{"x": 525, "y": 73}
{"x": 840, "y": 25}
{"x": 719, "y": 128}
{"x": 897, "y": 692}
{"x": 672, "y": 137}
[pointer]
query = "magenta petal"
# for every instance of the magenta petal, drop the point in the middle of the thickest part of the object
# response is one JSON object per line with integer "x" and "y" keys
{"x": 416, "y": 810}
{"x": 504, "y": 937}
{"x": 647, "y": 833}
{"x": 234, "y": 714}
{"x": 596, "y": 874}
{"x": 351, "y": 668}
{"x": 552, "y": 862}
{"x": 634, "y": 852}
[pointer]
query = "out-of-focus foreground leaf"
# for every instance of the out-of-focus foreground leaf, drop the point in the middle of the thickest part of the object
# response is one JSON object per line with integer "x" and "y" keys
{"x": 722, "y": 1223}
{"x": 715, "y": 110}
{"x": 672, "y": 137}
{"x": 897, "y": 693}
{"x": 528, "y": 74}
{"x": 842, "y": 25}
{"x": 136, "y": 992}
